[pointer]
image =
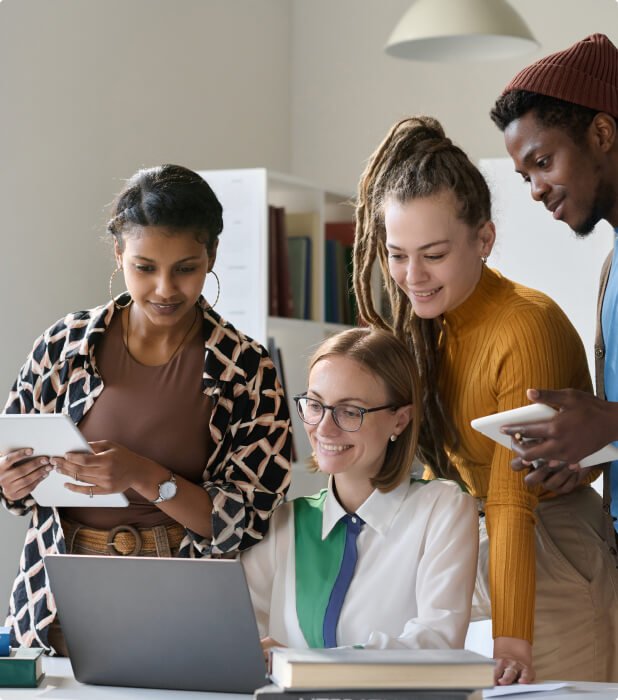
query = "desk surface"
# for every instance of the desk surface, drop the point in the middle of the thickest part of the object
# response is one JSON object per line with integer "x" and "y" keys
{"x": 59, "y": 684}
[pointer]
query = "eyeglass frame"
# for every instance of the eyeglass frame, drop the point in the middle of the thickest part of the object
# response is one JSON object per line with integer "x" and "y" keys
{"x": 332, "y": 410}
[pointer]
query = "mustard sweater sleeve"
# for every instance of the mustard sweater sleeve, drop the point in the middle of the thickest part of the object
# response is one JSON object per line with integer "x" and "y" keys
{"x": 535, "y": 348}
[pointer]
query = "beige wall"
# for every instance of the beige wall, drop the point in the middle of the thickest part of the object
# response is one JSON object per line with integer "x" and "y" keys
{"x": 346, "y": 92}
{"x": 91, "y": 90}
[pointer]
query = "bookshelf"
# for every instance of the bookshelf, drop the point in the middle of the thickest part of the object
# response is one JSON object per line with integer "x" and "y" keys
{"x": 244, "y": 267}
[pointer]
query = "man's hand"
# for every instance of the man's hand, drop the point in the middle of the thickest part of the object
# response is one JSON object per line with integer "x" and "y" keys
{"x": 557, "y": 477}
{"x": 583, "y": 425}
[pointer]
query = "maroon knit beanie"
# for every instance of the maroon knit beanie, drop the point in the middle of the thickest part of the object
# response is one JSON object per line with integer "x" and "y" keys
{"x": 585, "y": 74}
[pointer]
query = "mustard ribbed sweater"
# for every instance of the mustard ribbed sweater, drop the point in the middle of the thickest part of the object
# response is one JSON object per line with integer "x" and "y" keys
{"x": 504, "y": 339}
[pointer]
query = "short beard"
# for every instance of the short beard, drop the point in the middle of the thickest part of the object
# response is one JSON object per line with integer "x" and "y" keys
{"x": 603, "y": 201}
{"x": 587, "y": 227}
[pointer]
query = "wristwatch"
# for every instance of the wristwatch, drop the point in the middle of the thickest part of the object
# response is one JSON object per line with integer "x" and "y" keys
{"x": 167, "y": 489}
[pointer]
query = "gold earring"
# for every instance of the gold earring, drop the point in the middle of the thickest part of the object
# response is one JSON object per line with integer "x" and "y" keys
{"x": 212, "y": 272}
{"x": 111, "y": 294}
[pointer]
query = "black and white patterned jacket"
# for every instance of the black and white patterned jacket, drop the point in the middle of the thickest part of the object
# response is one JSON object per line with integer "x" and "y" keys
{"x": 247, "y": 474}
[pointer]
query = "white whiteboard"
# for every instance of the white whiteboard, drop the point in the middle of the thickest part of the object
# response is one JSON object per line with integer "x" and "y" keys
{"x": 539, "y": 252}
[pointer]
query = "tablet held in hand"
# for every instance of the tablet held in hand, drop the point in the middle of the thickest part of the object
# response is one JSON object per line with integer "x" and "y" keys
{"x": 52, "y": 435}
{"x": 535, "y": 412}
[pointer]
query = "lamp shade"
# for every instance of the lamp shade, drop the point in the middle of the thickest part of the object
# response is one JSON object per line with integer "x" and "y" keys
{"x": 455, "y": 30}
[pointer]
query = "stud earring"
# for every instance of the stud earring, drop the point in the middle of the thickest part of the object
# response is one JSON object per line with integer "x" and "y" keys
{"x": 111, "y": 294}
{"x": 393, "y": 437}
{"x": 484, "y": 259}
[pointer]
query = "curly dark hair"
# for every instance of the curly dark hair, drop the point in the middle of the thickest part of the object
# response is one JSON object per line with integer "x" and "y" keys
{"x": 171, "y": 196}
{"x": 549, "y": 111}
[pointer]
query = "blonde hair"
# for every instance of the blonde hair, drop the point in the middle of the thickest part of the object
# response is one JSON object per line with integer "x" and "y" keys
{"x": 386, "y": 357}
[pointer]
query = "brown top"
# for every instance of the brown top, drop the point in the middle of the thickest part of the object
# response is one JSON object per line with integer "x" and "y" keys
{"x": 158, "y": 412}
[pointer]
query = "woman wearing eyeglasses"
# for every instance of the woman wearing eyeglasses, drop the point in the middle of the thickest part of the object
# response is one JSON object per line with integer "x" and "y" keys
{"x": 376, "y": 559}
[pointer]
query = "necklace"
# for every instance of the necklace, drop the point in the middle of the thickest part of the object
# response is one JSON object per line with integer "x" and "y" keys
{"x": 180, "y": 344}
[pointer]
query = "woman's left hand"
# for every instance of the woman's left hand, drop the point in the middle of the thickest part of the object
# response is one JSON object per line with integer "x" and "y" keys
{"x": 112, "y": 469}
{"x": 513, "y": 659}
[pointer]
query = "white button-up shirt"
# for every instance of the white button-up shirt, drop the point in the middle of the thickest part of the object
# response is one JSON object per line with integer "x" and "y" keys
{"x": 414, "y": 577}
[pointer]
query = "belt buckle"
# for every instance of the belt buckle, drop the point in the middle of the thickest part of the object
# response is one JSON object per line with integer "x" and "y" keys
{"x": 111, "y": 547}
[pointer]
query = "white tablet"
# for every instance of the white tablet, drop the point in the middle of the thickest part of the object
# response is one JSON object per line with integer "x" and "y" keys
{"x": 490, "y": 426}
{"x": 53, "y": 435}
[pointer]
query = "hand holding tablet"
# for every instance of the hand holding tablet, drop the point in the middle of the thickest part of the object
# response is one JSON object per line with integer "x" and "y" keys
{"x": 52, "y": 435}
{"x": 491, "y": 427}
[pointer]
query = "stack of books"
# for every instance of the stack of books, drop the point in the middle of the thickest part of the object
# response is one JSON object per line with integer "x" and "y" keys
{"x": 376, "y": 674}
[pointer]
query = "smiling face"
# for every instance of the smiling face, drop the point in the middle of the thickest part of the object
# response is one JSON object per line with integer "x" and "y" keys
{"x": 567, "y": 177}
{"x": 164, "y": 271}
{"x": 359, "y": 455}
{"x": 433, "y": 256}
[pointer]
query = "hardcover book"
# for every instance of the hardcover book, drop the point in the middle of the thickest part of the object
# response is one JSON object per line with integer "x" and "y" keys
{"x": 351, "y": 669}
{"x": 285, "y": 304}
{"x": 23, "y": 668}
{"x": 5, "y": 641}
{"x": 299, "y": 252}
{"x": 274, "y": 692}
{"x": 273, "y": 287}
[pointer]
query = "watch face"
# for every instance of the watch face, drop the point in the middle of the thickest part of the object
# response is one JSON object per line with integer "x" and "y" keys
{"x": 167, "y": 490}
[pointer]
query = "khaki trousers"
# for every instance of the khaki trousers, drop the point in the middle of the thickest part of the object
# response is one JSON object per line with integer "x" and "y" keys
{"x": 576, "y": 611}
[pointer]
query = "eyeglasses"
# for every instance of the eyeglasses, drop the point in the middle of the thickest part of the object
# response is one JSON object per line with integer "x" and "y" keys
{"x": 346, "y": 416}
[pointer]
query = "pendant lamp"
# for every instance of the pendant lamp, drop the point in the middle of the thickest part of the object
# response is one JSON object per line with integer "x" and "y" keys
{"x": 460, "y": 30}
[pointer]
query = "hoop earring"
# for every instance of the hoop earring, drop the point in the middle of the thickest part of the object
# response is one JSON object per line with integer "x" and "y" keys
{"x": 212, "y": 272}
{"x": 393, "y": 437}
{"x": 111, "y": 294}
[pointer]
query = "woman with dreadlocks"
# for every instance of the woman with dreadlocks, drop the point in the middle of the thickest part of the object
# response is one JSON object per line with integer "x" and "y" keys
{"x": 480, "y": 342}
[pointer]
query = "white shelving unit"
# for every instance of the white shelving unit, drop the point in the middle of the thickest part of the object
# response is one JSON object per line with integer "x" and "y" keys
{"x": 242, "y": 267}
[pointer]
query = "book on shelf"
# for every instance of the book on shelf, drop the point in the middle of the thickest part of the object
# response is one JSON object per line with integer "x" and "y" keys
{"x": 299, "y": 253}
{"x": 351, "y": 669}
{"x": 307, "y": 224}
{"x": 331, "y": 286}
{"x": 273, "y": 290}
{"x": 274, "y": 692}
{"x": 23, "y": 668}
{"x": 285, "y": 303}
{"x": 340, "y": 302}
{"x": 276, "y": 356}
{"x": 342, "y": 231}
{"x": 279, "y": 290}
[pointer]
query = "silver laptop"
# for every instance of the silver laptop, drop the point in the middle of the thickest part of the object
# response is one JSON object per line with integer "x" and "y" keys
{"x": 178, "y": 624}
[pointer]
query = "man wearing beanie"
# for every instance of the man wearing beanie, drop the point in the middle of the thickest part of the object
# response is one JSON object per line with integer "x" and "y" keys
{"x": 560, "y": 122}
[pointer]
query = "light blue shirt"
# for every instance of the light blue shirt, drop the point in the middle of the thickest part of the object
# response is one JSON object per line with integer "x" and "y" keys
{"x": 609, "y": 326}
